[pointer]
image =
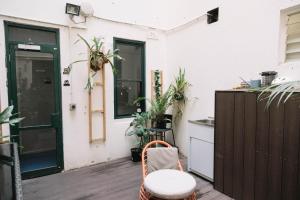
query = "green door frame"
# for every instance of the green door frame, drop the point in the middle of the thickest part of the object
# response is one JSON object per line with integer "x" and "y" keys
{"x": 11, "y": 46}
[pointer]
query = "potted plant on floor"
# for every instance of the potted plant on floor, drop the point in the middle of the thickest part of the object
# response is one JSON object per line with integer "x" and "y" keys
{"x": 138, "y": 128}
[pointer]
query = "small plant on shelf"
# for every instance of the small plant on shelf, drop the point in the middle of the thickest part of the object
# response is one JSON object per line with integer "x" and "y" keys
{"x": 159, "y": 107}
{"x": 97, "y": 58}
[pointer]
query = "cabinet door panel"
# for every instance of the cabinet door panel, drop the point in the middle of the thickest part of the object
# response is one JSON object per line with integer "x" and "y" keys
{"x": 262, "y": 151}
{"x": 224, "y": 135}
{"x": 249, "y": 146}
{"x": 291, "y": 149}
{"x": 202, "y": 157}
{"x": 238, "y": 143}
{"x": 275, "y": 151}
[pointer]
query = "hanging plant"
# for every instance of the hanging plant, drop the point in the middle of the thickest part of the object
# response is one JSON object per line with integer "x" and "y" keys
{"x": 97, "y": 58}
{"x": 178, "y": 90}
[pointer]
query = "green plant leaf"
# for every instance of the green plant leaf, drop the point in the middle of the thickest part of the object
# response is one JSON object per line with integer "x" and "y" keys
{"x": 85, "y": 41}
{"x": 279, "y": 90}
{"x": 12, "y": 122}
{"x": 6, "y": 114}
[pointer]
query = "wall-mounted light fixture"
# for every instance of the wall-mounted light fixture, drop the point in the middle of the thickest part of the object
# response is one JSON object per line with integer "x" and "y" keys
{"x": 72, "y": 9}
{"x": 85, "y": 10}
{"x": 213, "y": 16}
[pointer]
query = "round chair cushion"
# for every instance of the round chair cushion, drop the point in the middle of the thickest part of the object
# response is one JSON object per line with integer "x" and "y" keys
{"x": 170, "y": 184}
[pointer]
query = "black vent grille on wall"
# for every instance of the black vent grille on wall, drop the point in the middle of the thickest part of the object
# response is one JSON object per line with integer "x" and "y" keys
{"x": 213, "y": 16}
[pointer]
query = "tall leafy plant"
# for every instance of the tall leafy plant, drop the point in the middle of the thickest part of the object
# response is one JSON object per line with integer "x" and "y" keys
{"x": 160, "y": 105}
{"x": 97, "y": 58}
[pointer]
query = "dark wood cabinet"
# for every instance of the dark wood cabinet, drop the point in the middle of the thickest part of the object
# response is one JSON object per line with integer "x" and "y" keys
{"x": 257, "y": 150}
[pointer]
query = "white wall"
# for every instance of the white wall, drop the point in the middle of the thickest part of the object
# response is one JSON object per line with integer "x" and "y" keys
{"x": 244, "y": 42}
{"x": 132, "y": 11}
{"x": 77, "y": 150}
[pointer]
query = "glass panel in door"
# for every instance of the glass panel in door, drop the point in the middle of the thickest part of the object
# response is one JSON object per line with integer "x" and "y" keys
{"x": 35, "y": 88}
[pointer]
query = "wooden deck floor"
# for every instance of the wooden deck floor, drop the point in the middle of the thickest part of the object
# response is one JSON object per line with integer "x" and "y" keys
{"x": 115, "y": 180}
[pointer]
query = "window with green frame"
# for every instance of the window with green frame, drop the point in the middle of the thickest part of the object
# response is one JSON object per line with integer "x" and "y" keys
{"x": 129, "y": 80}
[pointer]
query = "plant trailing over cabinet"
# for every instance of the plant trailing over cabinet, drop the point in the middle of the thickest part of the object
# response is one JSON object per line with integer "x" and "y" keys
{"x": 279, "y": 92}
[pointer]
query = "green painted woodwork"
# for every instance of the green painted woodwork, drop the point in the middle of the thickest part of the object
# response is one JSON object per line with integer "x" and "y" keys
{"x": 56, "y": 118}
{"x": 143, "y": 71}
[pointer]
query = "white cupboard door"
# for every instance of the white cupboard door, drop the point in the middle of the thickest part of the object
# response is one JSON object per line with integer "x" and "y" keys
{"x": 202, "y": 155}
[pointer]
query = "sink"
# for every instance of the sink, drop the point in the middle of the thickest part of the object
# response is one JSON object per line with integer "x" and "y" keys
{"x": 208, "y": 122}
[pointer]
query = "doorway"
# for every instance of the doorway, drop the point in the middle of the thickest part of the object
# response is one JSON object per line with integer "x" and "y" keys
{"x": 34, "y": 90}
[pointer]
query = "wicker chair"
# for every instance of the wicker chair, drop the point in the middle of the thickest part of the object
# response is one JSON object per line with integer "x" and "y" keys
{"x": 144, "y": 195}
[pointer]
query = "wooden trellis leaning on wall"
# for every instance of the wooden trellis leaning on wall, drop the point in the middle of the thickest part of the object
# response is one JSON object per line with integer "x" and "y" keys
{"x": 153, "y": 82}
{"x": 96, "y": 108}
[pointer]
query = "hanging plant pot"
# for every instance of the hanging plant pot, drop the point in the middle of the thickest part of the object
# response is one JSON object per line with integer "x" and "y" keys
{"x": 136, "y": 154}
{"x": 95, "y": 68}
{"x": 96, "y": 65}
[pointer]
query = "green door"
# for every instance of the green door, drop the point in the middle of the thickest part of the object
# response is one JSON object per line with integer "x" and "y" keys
{"x": 34, "y": 90}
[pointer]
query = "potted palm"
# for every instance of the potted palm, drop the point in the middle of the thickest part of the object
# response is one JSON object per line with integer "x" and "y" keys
{"x": 138, "y": 128}
{"x": 158, "y": 109}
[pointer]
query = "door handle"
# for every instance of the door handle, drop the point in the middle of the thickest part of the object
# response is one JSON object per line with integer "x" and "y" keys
{"x": 55, "y": 120}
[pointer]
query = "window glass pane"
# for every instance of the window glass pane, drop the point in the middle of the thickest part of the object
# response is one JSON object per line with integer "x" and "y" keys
{"x": 35, "y": 83}
{"x": 130, "y": 67}
{"x": 31, "y": 35}
{"x": 127, "y": 93}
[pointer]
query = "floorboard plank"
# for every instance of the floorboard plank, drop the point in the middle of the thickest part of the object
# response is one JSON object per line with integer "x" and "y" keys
{"x": 119, "y": 179}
